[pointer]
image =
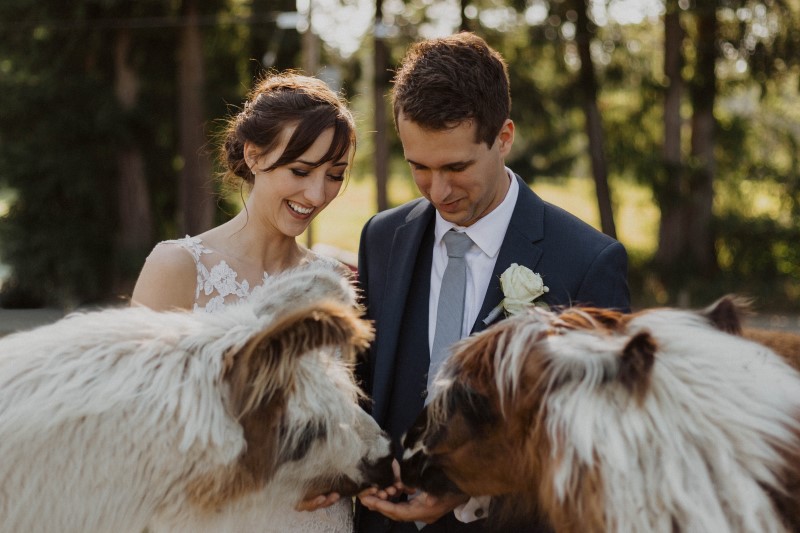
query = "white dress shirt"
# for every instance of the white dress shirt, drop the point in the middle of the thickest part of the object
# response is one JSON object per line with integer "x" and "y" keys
{"x": 487, "y": 235}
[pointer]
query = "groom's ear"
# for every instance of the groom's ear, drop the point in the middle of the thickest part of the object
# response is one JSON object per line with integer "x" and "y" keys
{"x": 505, "y": 138}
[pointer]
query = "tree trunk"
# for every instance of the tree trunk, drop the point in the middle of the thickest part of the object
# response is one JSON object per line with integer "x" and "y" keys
{"x": 379, "y": 90}
{"x": 701, "y": 182}
{"x": 594, "y": 125}
{"x": 311, "y": 56}
{"x": 135, "y": 232}
{"x": 672, "y": 229}
{"x": 196, "y": 192}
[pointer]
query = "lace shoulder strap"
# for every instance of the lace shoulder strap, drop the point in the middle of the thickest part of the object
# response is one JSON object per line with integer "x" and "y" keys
{"x": 193, "y": 245}
{"x": 196, "y": 248}
{"x": 217, "y": 283}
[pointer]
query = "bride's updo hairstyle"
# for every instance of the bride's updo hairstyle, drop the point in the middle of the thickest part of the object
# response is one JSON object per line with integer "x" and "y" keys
{"x": 278, "y": 102}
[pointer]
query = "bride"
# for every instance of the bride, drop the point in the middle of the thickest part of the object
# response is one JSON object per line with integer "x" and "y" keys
{"x": 290, "y": 146}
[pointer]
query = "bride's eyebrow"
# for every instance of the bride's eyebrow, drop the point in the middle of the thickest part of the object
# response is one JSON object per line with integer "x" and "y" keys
{"x": 316, "y": 163}
{"x": 304, "y": 162}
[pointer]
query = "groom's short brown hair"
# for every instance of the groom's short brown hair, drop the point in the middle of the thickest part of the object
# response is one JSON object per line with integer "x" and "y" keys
{"x": 441, "y": 83}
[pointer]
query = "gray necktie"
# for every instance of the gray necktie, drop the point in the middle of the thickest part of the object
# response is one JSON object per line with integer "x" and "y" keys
{"x": 450, "y": 309}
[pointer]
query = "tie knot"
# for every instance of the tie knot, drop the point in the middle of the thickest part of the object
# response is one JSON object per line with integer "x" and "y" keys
{"x": 457, "y": 243}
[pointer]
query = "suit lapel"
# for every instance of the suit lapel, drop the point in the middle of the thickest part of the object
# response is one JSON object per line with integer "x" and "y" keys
{"x": 403, "y": 256}
{"x": 519, "y": 246}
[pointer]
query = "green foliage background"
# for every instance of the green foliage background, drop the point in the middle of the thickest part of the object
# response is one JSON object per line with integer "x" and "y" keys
{"x": 62, "y": 127}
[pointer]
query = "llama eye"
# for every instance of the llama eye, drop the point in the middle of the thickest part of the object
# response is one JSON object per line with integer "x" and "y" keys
{"x": 312, "y": 432}
{"x": 473, "y": 406}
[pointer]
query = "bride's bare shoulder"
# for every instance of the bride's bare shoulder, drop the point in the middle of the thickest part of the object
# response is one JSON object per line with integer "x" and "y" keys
{"x": 168, "y": 278}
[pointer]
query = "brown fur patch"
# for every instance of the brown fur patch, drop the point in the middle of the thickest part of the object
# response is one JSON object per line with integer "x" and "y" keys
{"x": 260, "y": 376}
{"x": 527, "y": 431}
{"x": 787, "y": 345}
{"x": 726, "y": 313}
{"x": 525, "y": 443}
{"x": 528, "y": 413}
{"x": 636, "y": 364}
{"x": 475, "y": 361}
{"x": 783, "y": 343}
{"x": 255, "y": 466}
{"x": 582, "y": 510}
{"x": 475, "y": 357}
{"x": 266, "y": 364}
{"x": 592, "y": 318}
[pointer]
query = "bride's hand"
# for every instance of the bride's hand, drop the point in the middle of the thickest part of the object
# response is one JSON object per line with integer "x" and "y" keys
{"x": 317, "y": 502}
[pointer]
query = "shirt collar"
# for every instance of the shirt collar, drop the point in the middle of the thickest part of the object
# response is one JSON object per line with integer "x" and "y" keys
{"x": 487, "y": 232}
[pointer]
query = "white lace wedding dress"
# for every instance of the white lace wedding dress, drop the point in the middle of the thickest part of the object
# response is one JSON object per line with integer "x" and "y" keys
{"x": 217, "y": 286}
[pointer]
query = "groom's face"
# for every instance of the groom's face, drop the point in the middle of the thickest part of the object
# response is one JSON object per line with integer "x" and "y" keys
{"x": 463, "y": 178}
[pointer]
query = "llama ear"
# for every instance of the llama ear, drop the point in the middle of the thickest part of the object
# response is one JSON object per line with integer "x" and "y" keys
{"x": 263, "y": 370}
{"x": 724, "y": 313}
{"x": 260, "y": 375}
{"x": 636, "y": 364}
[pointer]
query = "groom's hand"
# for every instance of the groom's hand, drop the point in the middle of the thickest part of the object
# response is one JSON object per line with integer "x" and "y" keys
{"x": 387, "y": 492}
{"x": 422, "y": 507}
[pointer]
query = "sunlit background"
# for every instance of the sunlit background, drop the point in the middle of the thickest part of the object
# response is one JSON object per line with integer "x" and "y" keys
{"x": 672, "y": 124}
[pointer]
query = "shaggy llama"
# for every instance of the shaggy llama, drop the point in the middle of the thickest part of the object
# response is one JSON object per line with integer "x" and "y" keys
{"x": 122, "y": 419}
{"x": 661, "y": 421}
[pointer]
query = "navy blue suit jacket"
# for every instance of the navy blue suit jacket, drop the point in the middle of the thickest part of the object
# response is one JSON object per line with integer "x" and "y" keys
{"x": 578, "y": 264}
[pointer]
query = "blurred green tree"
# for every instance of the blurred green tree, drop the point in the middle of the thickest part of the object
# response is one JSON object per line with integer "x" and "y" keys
{"x": 59, "y": 121}
{"x": 102, "y": 120}
{"x": 105, "y": 123}
{"x": 694, "y": 128}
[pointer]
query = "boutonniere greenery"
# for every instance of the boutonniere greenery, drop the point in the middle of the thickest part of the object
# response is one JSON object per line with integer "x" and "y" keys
{"x": 521, "y": 286}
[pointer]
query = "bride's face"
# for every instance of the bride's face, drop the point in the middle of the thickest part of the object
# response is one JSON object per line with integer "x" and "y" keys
{"x": 288, "y": 197}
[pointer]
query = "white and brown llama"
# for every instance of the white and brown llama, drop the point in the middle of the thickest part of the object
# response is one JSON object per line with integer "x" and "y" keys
{"x": 122, "y": 419}
{"x": 660, "y": 421}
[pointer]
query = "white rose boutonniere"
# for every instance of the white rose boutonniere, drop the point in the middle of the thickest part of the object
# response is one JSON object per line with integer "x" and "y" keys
{"x": 521, "y": 286}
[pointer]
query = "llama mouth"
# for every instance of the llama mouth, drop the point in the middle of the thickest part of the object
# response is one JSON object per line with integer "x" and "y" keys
{"x": 300, "y": 210}
{"x": 421, "y": 472}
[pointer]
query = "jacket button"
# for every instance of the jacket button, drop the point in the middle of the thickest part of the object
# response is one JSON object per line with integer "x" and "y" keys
{"x": 424, "y": 394}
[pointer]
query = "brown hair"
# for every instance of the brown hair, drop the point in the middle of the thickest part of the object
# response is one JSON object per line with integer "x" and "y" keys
{"x": 279, "y": 101}
{"x": 444, "y": 82}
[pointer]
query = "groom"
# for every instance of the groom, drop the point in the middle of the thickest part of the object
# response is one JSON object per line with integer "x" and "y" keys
{"x": 451, "y": 107}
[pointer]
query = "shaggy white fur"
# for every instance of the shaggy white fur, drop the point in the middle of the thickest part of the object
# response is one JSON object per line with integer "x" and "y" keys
{"x": 122, "y": 419}
{"x": 705, "y": 441}
{"x": 656, "y": 422}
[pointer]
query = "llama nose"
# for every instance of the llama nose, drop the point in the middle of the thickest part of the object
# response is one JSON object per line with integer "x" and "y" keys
{"x": 379, "y": 473}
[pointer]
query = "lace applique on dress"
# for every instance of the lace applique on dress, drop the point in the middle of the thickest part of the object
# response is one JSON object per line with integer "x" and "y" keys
{"x": 219, "y": 284}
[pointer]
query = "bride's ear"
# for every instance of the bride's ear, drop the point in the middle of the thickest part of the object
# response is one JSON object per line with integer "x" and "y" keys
{"x": 251, "y": 155}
